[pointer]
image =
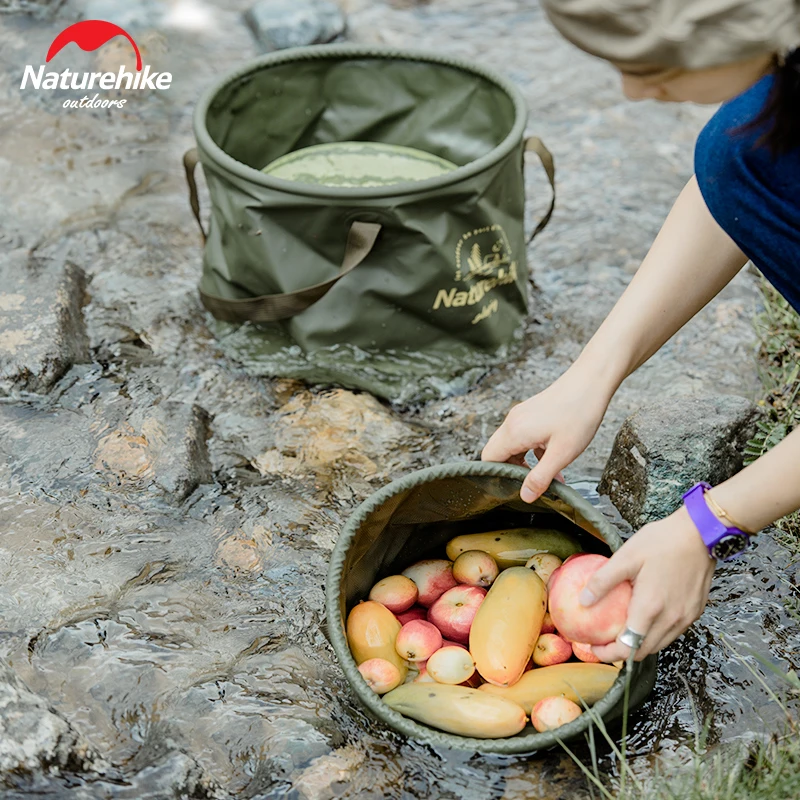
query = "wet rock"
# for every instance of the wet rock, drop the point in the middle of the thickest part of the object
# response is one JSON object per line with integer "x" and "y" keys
{"x": 243, "y": 553}
{"x": 176, "y": 776}
{"x": 39, "y": 9}
{"x": 278, "y": 24}
{"x": 323, "y": 778}
{"x": 42, "y": 331}
{"x": 166, "y": 447}
{"x": 135, "y": 14}
{"x": 338, "y": 435}
{"x": 32, "y": 736}
{"x": 665, "y": 448}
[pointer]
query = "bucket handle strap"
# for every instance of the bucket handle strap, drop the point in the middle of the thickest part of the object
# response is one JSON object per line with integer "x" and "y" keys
{"x": 190, "y": 159}
{"x": 361, "y": 239}
{"x": 536, "y": 145}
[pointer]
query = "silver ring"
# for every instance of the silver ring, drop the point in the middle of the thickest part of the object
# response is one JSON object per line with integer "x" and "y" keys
{"x": 631, "y": 638}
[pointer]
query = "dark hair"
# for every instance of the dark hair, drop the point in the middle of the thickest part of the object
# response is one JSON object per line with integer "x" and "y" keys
{"x": 780, "y": 118}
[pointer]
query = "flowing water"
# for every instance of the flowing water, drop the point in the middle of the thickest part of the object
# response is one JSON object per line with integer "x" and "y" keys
{"x": 166, "y": 518}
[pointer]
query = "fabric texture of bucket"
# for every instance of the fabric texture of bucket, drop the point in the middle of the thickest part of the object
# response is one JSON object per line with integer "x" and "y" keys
{"x": 433, "y": 270}
{"x": 413, "y": 518}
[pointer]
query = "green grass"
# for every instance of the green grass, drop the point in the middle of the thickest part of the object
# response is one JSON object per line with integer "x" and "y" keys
{"x": 778, "y": 328}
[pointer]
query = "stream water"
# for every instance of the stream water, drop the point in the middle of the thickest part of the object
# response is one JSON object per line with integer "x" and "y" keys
{"x": 166, "y": 519}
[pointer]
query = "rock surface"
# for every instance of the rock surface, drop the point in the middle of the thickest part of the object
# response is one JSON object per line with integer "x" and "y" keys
{"x": 32, "y": 736}
{"x": 278, "y": 24}
{"x": 42, "y": 331}
{"x": 663, "y": 449}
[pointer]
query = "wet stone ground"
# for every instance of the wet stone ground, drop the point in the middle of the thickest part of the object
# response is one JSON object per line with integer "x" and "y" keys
{"x": 166, "y": 520}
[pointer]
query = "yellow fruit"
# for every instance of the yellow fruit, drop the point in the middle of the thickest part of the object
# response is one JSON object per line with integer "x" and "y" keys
{"x": 513, "y": 548}
{"x": 371, "y": 633}
{"x": 507, "y": 625}
{"x": 581, "y": 683}
{"x": 457, "y": 709}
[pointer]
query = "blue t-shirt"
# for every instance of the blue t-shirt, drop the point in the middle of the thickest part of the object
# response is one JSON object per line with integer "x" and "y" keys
{"x": 753, "y": 195}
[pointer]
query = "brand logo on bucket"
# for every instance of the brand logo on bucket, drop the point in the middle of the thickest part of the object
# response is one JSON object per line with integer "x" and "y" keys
{"x": 91, "y": 34}
{"x": 483, "y": 262}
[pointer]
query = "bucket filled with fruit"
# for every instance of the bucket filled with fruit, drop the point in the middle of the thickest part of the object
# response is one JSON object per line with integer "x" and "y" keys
{"x": 453, "y": 609}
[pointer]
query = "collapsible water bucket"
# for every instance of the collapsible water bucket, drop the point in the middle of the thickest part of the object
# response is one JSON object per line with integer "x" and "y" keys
{"x": 373, "y": 283}
{"x": 413, "y": 518}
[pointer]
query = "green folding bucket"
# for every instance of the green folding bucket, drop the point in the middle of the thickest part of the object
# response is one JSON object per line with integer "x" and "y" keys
{"x": 371, "y": 286}
{"x": 413, "y": 518}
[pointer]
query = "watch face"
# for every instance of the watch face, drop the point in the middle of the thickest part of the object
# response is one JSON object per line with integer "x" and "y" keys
{"x": 730, "y": 546}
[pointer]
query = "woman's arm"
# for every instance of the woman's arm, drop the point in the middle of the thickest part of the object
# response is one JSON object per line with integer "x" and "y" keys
{"x": 669, "y": 564}
{"x": 691, "y": 260}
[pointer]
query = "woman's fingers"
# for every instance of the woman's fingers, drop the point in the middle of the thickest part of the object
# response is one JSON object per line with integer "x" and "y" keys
{"x": 539, "y": 478}
{"x": 622, "y": 566}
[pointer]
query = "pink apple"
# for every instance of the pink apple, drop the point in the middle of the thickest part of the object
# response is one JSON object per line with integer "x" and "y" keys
{"x": 451, "y": 665}
{"x": 448, "y": 643}
{"x": 381, "y": 675}
{"x": 596, "y": 624}
{"x": 544, "y": 565}
{"x": 583, "y": 652}
{"x": 417, "y": 640}
{"x": 454, "y": 611}
{"x": 475, "y": 568}
{"x": 424, "y": 677}
{"x": 553, "y": 712}
{"x": 551, "y": 649}
{"x": 396, "y": 592}
{"x": 547, "y": 624}
{"x": 415, "y": 612}
{"x": 433, "y": 578}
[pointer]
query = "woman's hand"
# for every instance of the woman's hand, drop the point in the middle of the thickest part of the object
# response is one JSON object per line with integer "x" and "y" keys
{"x": 671, "y": 572}
{"x": 557, "y": 424}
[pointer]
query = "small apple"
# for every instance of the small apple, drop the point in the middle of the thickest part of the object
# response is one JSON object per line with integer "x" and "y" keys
{"x": 553, "y": 712}
{"x": 454, "y": 611}
{"x": 433, "y": 578}
{"x": 544, "y": 565}
{"x": 415, "y": 612}
{"x": 596, "y": 624}
{"x": 397, "y": 592}
{"x": 423, "y": 676}
{"x": 475, "y": 568}
{"x": 547, "y": 624}
{"x": 551, "y": 649}
{"x": 448, "y": 643}
{"x": 417, "y": 640}
{"x": 451, "y": 665}
{"x": 583, "y": 652}
{"x": 381, "y": 675}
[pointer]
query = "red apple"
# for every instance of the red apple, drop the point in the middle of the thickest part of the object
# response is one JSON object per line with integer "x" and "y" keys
{"x": 547, "y": 624}
{"x": 475, "y": 568}
{"x": 551, "y": 649}
{"x": 596, "y": 624}
{"x": 451, "y": 665}
{"x": 433, "y": 578}
{"x": 553, "y": 712}
{"x": 544, "y": 565}
{"x": 417, "y": 640}
{"x": 415, "y": 612}
{"x": 454, "y": 611}
{"x": 381, "y": 675}
{"x": 397, "y": 592}
{"x": 583, "y": 652}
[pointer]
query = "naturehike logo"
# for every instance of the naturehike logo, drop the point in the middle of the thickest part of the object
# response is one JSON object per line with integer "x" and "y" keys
{"x": 91, "y": 34}
{"x": 483, "y": 262}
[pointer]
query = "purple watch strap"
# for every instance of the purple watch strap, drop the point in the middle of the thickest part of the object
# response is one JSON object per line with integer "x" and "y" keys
{"x": 722, "y": 542}
{"x": 710, "y": 528}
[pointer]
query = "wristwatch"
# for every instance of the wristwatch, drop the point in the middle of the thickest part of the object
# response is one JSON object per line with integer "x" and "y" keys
{"x": 723, "y": 542}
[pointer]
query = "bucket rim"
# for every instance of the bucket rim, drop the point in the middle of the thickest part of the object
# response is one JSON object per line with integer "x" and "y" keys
{"x": 213, "y": 153}
{"x": 514, "y": 745}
